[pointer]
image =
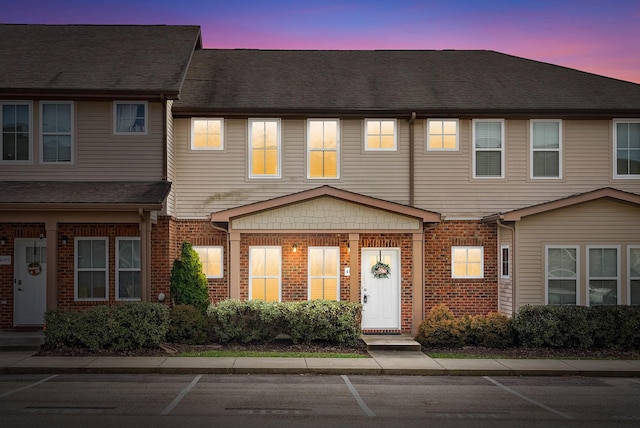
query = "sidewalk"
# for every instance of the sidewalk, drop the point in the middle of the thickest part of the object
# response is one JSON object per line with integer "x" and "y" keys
{"x": 380, "y": 363}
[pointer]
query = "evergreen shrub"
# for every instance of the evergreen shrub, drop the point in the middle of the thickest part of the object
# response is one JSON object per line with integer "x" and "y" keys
{"x": 188, "y": 283}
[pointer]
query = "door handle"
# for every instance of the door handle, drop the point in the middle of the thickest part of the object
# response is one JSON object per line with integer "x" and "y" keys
{"x": 364, "y": 298}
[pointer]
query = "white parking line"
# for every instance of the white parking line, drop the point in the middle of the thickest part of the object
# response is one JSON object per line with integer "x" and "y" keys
{"x": 180, "y": 396}
{"x": 635, "y": 380}
{"x": 359, "y": 399}
{"x": 517, "y": 394}
{"x": 28, "y": 386}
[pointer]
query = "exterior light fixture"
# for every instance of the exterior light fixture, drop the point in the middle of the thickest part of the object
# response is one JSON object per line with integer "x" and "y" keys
{"x": 3, "y": 240}
{"x": 65, "y": 240}
{"x": 294, "y": 248}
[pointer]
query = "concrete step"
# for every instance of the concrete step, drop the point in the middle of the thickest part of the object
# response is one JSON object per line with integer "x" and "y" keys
{"x": 21, "y": 340}
{"x": 383, "y": 342}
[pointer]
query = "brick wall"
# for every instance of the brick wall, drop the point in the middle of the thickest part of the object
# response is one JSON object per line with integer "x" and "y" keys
{"x": 463, "y": 296}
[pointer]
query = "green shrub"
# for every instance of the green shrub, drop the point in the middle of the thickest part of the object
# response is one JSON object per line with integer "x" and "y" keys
{"x": 491, "y": 331}
{"x": 188, "y": 324}
{"x": 305, "y": 322}
{"x": 121, "y": 327}
{"x": 188, "y": 283}
{"x": 246, "y": 321}
{"x": 442, "y": 329}
{"x": 578, "y": 326}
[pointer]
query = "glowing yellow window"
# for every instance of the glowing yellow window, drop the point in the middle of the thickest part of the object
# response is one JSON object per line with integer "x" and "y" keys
{"x": 322, "y": 146}
{"x": 324, "y": 273}
{"x": 467, "y": 262}
{"x": 264, "y": 141}
{"x": 442, "y": 134}
{"x": 211, "y": 259}
{"x": 264, "y": 274}
{"x": 380, "y": 134}
{"x": 206, "y": 134}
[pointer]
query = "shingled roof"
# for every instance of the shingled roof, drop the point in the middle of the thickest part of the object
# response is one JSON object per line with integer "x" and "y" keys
{"x": 95, "y": 59}
{"x": 394, "y": 82}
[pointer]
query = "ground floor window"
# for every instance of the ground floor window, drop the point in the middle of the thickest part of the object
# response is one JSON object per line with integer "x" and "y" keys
{"x": 211, "y": 259}
{"x": 91, "y": 274}
{"x": 324, "y": 273}
{"x": 603, "y": 275}
{"x": 265, "y": 267}
{"x": 562, "y": 275}
{"x": 467, "y": 262}
{"x": 128, "y": 283}
{"x": 634, "y": 275}
{"x": 505, "y": 262}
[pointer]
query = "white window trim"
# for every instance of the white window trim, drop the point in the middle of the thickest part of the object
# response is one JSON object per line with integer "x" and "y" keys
{"x": 508, "y": 248}
{"x": 596, "y": 247}
{"x": 395, "y": 135}
{"x": 217, "y": 247}
{"x": 546, "y": 271}
{"x": 337, "y": 276}
{"x": 468, "y": 247}
{"x": 615, "y": 151}
{"x": 279, "y": 142}
{"x": 194, "y": 148}
{"x": 261, "y": 247}
{"x": 559, "y": 149}
{"x": 428, "y": 134}
{"x": 115, "y": 117}
{"x": 76, "y": 269}
{"x": 71, "y": 133}
{"x": 119, "y": 269}
{"x": 337, "y": 150}
{"x": 30, "y": 105}
{"x": 502, "y": 148}
{"x": 629, "y": 277}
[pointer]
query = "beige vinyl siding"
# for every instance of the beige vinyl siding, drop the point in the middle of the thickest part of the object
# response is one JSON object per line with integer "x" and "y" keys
{"x": 445, "y": 183}
{"x": 600, "y": 222}
{"x": 212, "y": 181}
{"x": 170, "y": 205}
{"x": 98, "y": 155}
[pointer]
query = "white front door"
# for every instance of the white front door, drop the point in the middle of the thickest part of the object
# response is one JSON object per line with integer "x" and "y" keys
{"x": 30, "y": 283}
{"x": 380, "y": 296}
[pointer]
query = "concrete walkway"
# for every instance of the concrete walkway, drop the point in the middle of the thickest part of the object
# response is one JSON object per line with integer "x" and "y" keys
{"x": 380, "y": 363}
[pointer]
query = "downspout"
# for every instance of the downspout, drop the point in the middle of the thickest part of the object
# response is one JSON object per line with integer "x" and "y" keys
{"x": 227, "y": 259}
{"x": 165, "y": 142}
{"x": 513, "y": 265}
{"x": 412, "y": 159}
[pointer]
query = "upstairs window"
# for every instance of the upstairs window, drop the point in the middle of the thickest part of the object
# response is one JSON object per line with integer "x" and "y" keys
{"x": 324, "y": 273}
{"x": 626, "y": 137}
{"x": 488, "y": 148}
{"x": 546, "y": 149}
{"x": 207, "y": 134}
{"x": 322, "y": 148}
{"x": 442, "y": 134}
{"x": 380, "y": 134}
{"x": 56, "y": 126}
{"x": 264, "y": 148}
{"x": 16, "y": 131}
{"x": 130, "y": 118}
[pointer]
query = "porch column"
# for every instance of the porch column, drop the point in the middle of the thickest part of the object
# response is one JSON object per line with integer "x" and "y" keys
{"x": 354, "y": 283}
{"x": 234, "y": 268}
{"x": 51, "y": 228}
{"x": 418, "y": 281}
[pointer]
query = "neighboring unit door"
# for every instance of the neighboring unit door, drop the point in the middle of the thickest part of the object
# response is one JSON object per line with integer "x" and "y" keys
{"x": 30, "y": 283}
{"x": 380, "y": 296}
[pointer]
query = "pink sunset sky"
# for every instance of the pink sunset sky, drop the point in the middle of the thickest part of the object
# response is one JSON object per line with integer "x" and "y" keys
{"x": 601, "y": 37}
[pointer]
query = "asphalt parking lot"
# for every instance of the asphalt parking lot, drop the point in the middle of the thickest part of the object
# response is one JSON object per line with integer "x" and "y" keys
{"x": 105, "y": 400}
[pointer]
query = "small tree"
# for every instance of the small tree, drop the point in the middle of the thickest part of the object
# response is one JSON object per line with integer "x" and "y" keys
{"x": 188, "y": 282}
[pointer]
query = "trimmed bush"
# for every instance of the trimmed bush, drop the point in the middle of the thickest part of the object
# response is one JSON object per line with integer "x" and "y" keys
{"x": 578, "y": 326}
{"x": 188, "y": 283}
{"x": 121, "y": 327}
{"x": 441, "y": 328}
{"x": 188, "y": 324}
{"x": 491, "y": 331}
{"x": 305, "y": 322}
